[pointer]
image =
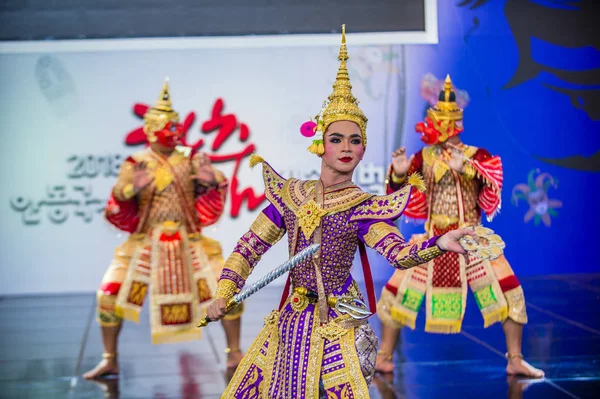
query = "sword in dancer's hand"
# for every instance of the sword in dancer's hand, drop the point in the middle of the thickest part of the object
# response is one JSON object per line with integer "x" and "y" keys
{"x": 273, "y": 275}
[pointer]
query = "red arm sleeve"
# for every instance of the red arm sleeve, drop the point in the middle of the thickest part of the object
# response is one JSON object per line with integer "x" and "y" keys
{"x": 488, "y": 170}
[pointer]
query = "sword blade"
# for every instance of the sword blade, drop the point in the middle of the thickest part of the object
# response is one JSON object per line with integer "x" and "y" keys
{"x": 276, "y": 273}
{"x": 267, "y": 279}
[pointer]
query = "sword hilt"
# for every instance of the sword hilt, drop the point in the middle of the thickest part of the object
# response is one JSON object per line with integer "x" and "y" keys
{"x": 231, "y": 303}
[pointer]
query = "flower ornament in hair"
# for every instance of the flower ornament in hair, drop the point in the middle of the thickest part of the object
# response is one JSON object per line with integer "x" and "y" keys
{"x": 315, "y": 130}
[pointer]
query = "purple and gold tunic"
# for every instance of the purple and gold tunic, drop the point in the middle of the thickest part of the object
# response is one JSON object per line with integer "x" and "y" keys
{"x": 306, "y": 349}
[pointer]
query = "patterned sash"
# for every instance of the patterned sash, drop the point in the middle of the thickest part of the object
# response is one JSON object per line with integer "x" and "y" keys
{"x": 176, "y": 271}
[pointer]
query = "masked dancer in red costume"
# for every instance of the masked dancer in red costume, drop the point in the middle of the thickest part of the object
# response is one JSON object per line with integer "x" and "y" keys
{"x": 164, "y": 197}
{"x": 461, "y": 182}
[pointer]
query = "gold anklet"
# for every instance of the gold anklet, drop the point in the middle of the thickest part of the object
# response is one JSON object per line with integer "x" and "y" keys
{"x": 106, "y": 355}
{"x": 513, "y": 355}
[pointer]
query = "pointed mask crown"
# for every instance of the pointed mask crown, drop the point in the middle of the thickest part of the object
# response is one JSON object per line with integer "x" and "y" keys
{"x": 446, "y": 107}
{"x": 446, "y": 114}
{"x": 158, "y": 116}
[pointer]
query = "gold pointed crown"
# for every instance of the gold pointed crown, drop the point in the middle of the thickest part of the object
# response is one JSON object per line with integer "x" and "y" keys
{"x": 341, "y": 105}
{"x": 158, "y": 116}
{"x": 446, "y": 112}
{"x": 446, "y": 107}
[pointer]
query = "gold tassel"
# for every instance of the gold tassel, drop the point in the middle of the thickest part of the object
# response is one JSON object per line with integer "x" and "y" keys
{"x": 128, "y": 314}
{"x": 416, "y": 180}
{"x": 494, "y": 317}
{"x": 443, "y": 327}
{"x": 255, "y": 160}
{"x": 400, "y": 316}
{"x": 316, "y": 148}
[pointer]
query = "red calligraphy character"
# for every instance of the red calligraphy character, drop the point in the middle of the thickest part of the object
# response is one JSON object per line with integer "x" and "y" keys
{"x": 225, "y": 124}
{"x": 187, "y": 123}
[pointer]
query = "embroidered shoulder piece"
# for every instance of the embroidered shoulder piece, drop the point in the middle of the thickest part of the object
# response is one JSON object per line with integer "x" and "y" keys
{"x": 339, "y": 199}
{"x": 383, "y": 207}
{"x": 274, "y": 182}
{"x": 295, "y": 192}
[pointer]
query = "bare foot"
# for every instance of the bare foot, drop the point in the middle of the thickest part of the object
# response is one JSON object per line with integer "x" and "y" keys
{"x": 519, "y": 366}
{"x": 233, "y": 359}
{"x": 105, "y": 368}
{"x": 384, "y": 364}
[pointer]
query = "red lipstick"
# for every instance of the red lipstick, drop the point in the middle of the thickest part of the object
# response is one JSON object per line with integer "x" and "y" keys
{"x": 346, "y": 159}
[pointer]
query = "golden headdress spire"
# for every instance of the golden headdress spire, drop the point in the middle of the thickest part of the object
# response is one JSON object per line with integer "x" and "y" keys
{"x": 158, "y": 116}
{"x": 446, "y": 112}
{"x": 447, "y": 88}
{"x": 341, "y": 104}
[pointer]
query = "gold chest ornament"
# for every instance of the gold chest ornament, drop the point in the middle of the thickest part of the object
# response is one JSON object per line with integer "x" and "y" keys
{"x": 309, "y": 217}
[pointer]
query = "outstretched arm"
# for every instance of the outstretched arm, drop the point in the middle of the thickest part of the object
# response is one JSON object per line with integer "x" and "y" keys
{"x": 385, "y": 238}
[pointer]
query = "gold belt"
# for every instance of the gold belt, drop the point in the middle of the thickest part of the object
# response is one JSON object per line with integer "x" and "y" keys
{"x": 302, "y": 296}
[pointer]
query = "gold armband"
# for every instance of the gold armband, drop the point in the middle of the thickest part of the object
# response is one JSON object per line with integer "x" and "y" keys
{"x": 226, "y": 289}
{"x": 397, "y": 179}
{"x": 430, "y": 253}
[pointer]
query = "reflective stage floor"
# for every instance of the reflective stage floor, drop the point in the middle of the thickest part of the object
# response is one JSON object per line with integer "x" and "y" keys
{"x": 47, "y": 342}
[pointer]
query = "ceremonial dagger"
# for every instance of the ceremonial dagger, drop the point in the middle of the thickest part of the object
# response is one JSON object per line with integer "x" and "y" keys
{"x": 274, "y": 274}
